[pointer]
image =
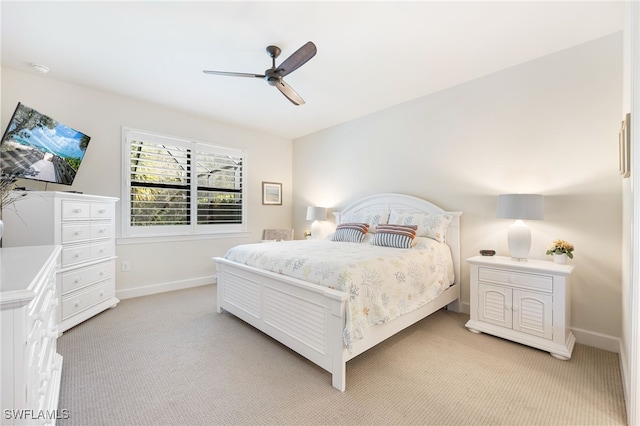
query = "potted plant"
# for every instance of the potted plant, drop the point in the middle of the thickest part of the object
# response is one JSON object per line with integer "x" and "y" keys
{"x": 560, "y": 249}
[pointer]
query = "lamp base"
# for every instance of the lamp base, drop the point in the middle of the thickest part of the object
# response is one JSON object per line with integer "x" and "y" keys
{"x": 519, "y": 239}
{"x": 315, "y": 230}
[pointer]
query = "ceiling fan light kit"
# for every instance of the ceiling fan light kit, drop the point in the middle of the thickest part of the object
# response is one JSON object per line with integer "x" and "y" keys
{"x": 274, "y": 75}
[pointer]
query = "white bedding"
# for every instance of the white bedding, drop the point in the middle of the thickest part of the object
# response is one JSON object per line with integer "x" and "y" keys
{"x": 383, "y": 283}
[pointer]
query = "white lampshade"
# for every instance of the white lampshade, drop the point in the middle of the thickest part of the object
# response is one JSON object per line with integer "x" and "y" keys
{"x": 316, "y": 213}
{"x": 520, "y": 206}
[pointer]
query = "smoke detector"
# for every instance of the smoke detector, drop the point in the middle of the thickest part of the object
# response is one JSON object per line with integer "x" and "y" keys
{"x": 40, "y": 68}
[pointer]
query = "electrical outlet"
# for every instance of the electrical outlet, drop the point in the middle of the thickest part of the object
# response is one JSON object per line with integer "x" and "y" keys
{"x": 125, "y": 266}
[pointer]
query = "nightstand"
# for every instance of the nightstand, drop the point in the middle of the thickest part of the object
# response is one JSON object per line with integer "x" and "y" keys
{"x": 526, "y": 302}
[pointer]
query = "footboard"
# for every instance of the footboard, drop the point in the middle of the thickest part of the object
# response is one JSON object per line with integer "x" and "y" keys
{"x": 305, "y": 317}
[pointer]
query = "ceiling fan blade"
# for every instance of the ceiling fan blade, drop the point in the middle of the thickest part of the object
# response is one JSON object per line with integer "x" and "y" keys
{"x": 297, "y": 59}
{"x": 289, "y": 92}
{"x": 233, "y": 74}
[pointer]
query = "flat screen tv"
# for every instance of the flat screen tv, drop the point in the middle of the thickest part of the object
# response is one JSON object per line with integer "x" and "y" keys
{"x": 35, "y": 146}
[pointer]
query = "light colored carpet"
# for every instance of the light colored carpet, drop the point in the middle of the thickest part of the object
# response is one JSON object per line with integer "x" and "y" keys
{"x": 170, "y": 359}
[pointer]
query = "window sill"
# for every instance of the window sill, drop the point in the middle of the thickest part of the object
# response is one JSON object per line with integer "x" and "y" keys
{"x": 175, "y": 238}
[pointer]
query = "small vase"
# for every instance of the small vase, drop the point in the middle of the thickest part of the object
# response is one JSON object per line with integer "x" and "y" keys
{"x": 1, "y": 229}
{"x": 560, "y": 259}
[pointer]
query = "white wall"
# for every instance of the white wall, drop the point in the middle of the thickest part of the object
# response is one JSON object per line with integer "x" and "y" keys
{"x": 548, "y": 126}
{"x": 155, "y": 265}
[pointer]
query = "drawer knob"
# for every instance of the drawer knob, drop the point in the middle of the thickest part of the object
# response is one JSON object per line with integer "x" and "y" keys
{"x": 76, "y": 304}
{"x": 76, "y": 255}
{"x": 77, "y": 280}
{"x": 77, "y": 210}
{"x": 77, "y": 233}
{"x": 101, "y": 293}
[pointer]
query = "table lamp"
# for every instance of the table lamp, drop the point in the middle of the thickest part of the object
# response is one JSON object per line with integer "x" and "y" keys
{"x": 315, "y": 214}
{"x": 520, "y": 207}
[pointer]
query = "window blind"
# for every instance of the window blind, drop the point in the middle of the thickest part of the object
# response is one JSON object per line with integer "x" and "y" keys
{"x": 180, "y": 186}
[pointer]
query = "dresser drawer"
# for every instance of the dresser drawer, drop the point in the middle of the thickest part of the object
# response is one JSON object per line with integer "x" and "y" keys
{"x": 100, "y": 250}
{"x": 101, "y": 210}
{"x": 73, "y": 280}
{"x": 517, "y": 279}
{"x": 75, "y": 210}
{"x": 83, "y": 253}
{"x": 76, "y": 254}
{"x": 101, "y": 230}
{"x": 83, "y": 299}
{"x": 74, "y": 232}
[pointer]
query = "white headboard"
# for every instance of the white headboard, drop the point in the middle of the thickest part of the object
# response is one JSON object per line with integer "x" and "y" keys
{"x": 388, "y": 202}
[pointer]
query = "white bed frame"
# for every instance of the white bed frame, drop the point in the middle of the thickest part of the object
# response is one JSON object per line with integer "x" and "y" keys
{"x": 309, "y": 318}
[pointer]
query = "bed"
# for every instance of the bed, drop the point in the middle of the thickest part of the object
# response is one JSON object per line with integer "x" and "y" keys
{"x": 287, "y": 299}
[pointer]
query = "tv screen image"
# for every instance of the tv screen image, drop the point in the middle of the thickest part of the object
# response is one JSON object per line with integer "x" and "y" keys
{"x": 35, "y": 146}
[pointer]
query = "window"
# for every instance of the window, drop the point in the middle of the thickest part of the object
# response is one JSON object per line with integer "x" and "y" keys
{"x": 176, "y": 186}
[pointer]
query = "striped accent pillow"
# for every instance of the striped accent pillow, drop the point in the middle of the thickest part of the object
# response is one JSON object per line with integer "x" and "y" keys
{"x": 350, "y": 232}
{"x": 398, "y": 236}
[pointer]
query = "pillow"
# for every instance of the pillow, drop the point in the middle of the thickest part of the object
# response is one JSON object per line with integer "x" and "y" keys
{"x": 350, "y": 232}
{"x": 432, "y": 225}
{"x": 398, "y": 236}
{"x": 371, "y": 217}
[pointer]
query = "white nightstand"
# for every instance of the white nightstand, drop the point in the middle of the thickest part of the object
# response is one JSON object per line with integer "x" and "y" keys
{"x": 526, "y": 302}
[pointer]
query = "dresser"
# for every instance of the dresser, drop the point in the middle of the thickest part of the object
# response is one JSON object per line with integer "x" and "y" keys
{"x": 31, "y": 367}
{"x": 526, "y": 302}
{"x": 84, "y": 225}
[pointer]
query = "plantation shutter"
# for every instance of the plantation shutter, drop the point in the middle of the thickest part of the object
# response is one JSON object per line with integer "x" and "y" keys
{"x": 177, "y": 186}
{"x": 219, "y": 180}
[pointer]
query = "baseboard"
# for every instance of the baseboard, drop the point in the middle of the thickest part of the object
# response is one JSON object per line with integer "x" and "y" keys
{"x": 624, "y": 372}
{"x": 164, "y": 287}
{"x": 597, "y": 340}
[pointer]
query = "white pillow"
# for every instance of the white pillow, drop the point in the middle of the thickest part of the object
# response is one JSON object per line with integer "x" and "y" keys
{"x": 372, "y": 217}
{"x": 432, "y": 225}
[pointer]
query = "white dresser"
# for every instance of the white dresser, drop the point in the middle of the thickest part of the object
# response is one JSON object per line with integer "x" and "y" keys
{"x": 527, "y": 302}
{"x": 31, "y": 366}
{"x": 85, "y": 227}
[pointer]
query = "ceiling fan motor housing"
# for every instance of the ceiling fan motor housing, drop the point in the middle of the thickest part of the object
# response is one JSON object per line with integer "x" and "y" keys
{"x": 273, "y": 51}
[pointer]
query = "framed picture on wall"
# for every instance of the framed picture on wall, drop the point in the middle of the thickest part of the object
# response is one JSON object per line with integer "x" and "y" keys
{"x": 624, "y": 139}
{"x": 272, "y": 193}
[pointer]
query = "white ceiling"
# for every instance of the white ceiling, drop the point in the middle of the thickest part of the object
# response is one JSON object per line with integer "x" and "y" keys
{"x": 371, "y": 54}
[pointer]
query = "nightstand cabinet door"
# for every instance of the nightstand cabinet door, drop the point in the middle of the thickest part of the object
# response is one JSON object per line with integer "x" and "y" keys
{"x": 533, "y": 313}
{"x": 494, "y": 304}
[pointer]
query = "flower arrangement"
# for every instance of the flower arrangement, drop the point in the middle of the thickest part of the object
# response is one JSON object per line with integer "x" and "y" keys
{"x": 561, "y": 247}
{"x": 7, "y": 184}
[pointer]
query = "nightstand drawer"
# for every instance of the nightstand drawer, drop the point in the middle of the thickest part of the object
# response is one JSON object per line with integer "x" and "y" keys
{"x": 529, "y": 281}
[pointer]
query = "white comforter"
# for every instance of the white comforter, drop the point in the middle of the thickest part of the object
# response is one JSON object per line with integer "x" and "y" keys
{"x": 383, "y": 283}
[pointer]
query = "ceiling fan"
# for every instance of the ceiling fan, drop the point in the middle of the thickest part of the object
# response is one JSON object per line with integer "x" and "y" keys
{"x": 274, "y": 75}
